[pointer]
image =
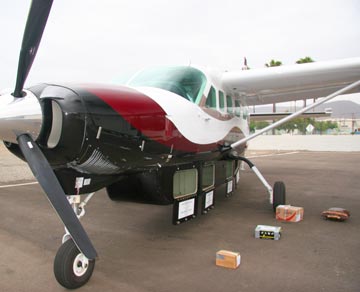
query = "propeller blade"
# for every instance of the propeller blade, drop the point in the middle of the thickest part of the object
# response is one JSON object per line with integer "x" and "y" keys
{"x": 52, "y": 188}
{"x": 35, "y": 25}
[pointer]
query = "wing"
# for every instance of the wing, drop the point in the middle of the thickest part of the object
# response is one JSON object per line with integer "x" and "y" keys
{"x": 294, "y": 82}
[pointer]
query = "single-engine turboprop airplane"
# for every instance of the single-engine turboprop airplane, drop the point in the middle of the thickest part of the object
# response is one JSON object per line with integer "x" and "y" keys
{"x": 173, "y": 135}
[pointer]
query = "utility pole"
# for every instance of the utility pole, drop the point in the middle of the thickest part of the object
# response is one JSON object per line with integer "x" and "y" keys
{"x": 274, "y": 111}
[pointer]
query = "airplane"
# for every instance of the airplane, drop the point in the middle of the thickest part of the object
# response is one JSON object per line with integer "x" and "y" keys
{"x": 173, "y": 135}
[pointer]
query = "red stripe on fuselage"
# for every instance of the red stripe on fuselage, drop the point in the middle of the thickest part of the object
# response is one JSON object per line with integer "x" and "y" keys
{"x": 144, "y": 114}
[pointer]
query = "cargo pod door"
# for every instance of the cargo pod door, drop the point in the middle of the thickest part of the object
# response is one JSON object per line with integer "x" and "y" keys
{"x": 185, "y": 192}
{"x": 229, "y": 177}
{"x": 207, "y": 183}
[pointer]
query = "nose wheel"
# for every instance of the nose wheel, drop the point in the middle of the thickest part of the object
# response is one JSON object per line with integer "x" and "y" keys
{"x": 71, "y": 268}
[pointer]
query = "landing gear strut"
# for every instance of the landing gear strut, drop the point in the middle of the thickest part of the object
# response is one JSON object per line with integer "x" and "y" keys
{"x": 277, "y": 195}
{"x": 72, "y": 268}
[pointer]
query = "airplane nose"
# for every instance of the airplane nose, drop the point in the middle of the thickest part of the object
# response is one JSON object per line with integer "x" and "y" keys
{"x": 19, "y": 116}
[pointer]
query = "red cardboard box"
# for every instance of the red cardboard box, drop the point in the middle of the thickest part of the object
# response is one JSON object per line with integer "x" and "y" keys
{"x": 289, "y": 213}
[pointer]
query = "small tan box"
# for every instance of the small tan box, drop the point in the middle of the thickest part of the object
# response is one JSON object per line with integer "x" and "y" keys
{"x": 289, "y": 213}
{"x": 228, "y": 259}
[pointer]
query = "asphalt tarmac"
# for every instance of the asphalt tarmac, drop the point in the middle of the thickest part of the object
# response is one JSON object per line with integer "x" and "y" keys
{"x": 140, "y": 250}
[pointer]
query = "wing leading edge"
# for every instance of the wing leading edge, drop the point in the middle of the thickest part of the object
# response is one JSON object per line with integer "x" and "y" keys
{"x": 294, "y": 82}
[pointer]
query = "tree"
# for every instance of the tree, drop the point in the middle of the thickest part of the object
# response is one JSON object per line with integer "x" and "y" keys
{"x": 305, "y": 60}
{"x": 257, "y": 125}
{"x": 301, "y": 123}
{"x": 322, "y": 126}
{"x": 298, "y": 123}
{"x": 273, "y": 63}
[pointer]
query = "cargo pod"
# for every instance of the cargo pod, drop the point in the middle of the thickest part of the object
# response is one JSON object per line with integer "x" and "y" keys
{"x": 185, "y": 191}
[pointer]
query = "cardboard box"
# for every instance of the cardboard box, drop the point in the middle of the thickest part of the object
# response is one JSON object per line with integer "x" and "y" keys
{"x": 268, "y": 232}
{"x": 289, "y": 213}
{"x": 228, "y": 259}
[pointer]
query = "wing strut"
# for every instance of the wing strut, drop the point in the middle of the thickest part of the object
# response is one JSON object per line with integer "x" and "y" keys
{"x": 294, "y": 115}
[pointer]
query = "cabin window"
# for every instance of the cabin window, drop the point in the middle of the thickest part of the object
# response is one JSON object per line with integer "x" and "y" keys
{"x": 208, "y": 176}
{"x": 229, "y": 169}
{"x": 211, "y": 99}
{"x": 245, "y": 113}
{"x": 229, "y": 104}
{"x": 221, "y": 100}
{"x": 237, "y": 108}
{"x": 185, "y": 183}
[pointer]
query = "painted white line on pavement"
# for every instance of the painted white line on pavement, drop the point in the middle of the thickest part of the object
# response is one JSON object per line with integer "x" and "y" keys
{"x": 274, "y": 154}
{"x": 19, "y": 185}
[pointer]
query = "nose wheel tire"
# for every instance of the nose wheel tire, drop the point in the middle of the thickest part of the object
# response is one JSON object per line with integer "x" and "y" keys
{"x": 72, "y": 269}
{"x": 279, "y": 194}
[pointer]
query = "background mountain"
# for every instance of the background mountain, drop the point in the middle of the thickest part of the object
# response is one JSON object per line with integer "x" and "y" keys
{"x": 342, "y": 109}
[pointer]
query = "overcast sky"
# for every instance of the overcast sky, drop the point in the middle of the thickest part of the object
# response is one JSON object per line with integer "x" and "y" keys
{"x": 97, "y": 41}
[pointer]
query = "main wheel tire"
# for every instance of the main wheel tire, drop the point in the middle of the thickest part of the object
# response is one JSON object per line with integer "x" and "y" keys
{"x": 279, "y": 194}
{"x": 71, "y": 268}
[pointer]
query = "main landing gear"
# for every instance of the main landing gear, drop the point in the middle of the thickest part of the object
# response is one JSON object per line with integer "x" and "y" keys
{"x": 72, "y": 268}
{"x": 277, "y": 195}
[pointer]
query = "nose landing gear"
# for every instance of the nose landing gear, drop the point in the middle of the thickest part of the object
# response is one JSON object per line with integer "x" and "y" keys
{"x": 72, "y": 268}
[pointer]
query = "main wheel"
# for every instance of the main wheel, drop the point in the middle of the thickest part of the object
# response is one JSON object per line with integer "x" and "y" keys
{"x": 72, "y": 269}
{"x": 279, "y": 194}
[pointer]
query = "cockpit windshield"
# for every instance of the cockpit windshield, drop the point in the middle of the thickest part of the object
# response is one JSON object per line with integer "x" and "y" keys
{"x": 185, "y": 81}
